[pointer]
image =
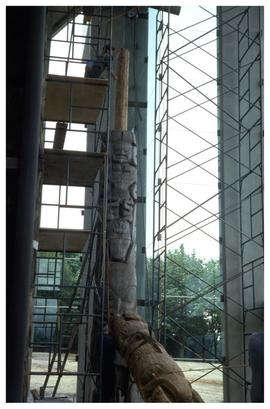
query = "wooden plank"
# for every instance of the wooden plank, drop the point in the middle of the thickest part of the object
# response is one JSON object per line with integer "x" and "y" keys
{"x": 74, "y": 168}
{"x": 60, "y": 135}
{"x": 56, "y": 240}
{"x": 73, "y": 99}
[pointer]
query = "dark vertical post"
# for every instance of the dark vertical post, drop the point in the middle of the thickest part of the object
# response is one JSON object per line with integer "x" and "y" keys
{"x": 25, "y": 49}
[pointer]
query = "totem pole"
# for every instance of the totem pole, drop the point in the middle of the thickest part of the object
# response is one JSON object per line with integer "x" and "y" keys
{"x": 122, "y": 198}
{"x": 121, "y": 222}
{"x": 157, "y": 376}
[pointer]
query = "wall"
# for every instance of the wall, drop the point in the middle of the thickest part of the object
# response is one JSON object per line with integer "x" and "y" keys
{"x": 240, "y": 169}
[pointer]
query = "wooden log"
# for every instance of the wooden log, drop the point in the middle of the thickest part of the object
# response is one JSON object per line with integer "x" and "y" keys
{"x": 156, "y": 374}
{"x": 121, "y": 103}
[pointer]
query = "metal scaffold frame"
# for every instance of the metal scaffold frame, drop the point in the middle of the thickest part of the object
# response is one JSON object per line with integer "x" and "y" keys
{"x": 158, "y": 319}
{"x": 87, "y": 246}
{"x": 240, "y": 130}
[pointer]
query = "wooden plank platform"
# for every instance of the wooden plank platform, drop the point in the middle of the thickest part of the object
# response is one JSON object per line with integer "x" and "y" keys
{"x": 62, "y": 167}
{"x": 74, "y": 99}
{"x": 58, "y": 239}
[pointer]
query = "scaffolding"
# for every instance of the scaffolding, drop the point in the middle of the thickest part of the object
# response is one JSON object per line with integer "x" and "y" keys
{"x": 222, "y": 88}
{"x": 70, "y": 265}
{"x": 158, "y": 319}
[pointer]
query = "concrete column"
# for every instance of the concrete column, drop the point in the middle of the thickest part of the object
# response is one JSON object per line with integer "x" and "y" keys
{"x": 25, "y": 52}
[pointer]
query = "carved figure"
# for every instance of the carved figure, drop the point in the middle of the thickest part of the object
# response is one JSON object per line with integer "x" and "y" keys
{"x": 121, "y": 222}
{"x": 156, "y": 374}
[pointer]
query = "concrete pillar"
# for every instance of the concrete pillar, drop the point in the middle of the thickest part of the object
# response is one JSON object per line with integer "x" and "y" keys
{"x": 25, "y": 52}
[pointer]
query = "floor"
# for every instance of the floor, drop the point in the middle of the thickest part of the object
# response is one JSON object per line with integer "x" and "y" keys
{"x": 206, "y": 378}
{"x": 67, "y": 385}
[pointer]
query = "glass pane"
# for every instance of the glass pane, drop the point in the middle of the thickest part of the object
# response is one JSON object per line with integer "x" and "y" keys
{"x": 76, "y": 196}
{"x": 49, "y": 216}
{"x": 50, "y": 194}
{"x": 71, "y": 219}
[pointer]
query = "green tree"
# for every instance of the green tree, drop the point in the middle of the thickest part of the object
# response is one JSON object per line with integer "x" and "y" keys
{"x": 193, "y": 309}
{"x": 72, "y": 265}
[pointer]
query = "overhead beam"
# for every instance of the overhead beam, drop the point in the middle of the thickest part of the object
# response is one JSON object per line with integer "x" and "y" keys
{"x": 169, "y": 9}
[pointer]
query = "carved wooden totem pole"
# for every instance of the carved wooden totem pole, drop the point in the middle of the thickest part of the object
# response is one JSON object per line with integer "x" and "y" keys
{"x": 122, "y": 198}
{"x": 121, "y": 222}
{"x": 157, "y": 376}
